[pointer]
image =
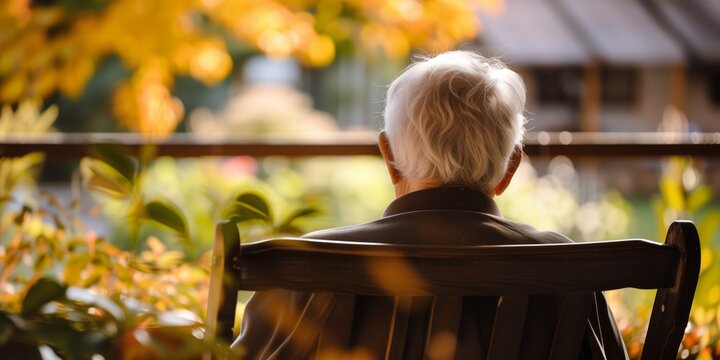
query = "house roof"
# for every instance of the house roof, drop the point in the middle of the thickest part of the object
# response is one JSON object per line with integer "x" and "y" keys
{"x": 530, "y": 32}
{"x": 620, "y": 32}
{"x": 696, "y": 22}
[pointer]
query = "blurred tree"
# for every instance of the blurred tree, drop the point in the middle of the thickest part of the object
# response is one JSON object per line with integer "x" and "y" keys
{"x": 49, "y": 46}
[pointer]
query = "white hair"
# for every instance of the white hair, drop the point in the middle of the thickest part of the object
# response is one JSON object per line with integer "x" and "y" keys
{"x": 455, "y": 118}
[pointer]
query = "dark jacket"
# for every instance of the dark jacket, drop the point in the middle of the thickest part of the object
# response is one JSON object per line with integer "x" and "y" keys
{"x": 281, "y": 324}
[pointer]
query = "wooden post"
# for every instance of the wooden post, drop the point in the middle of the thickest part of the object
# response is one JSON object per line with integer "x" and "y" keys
{"x": 590, "y": 101}
{"x": 677, "y": 87}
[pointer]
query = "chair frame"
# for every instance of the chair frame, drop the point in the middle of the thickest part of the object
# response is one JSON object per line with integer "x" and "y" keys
{"x": 517, "y": 271}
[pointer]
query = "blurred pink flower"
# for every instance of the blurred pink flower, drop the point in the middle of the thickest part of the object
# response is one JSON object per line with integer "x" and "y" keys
{"x": 238, "y": 167}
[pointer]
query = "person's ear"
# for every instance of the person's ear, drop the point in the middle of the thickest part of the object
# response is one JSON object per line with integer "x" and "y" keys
{"x": 387, "y": 155}
{"x": 515, "y": 160}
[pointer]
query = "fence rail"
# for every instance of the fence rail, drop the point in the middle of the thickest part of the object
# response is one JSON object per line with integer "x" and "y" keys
{"x": 73, "y": 146}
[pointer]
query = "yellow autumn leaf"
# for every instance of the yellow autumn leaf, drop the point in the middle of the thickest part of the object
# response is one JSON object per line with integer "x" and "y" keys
{"x": 704, "y": 355}
{"x": 319, "y": 52}
{"x": 144, "y": 104}
{"x": 101, "y": 177}
{"x": 39, "y": 57}
{"x": 672, "y": 192}
{"x": 44, "y": 83}
{"x": 210, "y": 62}
{"x": 706, "y": 258}
{"x": 14, "y": 88}
{"x": 9, "y": 58}
{"x": 74, "y": 268}
{"x": 169, "y": 259}
{"x": 395, "y": 44}
{"x": 74, "y": 75}
{"x": 698, "y": 316}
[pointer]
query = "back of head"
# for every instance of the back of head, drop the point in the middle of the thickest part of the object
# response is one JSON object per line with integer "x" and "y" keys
{"x": 455, "y": 118}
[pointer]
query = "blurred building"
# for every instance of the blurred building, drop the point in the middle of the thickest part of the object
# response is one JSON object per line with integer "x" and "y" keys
{"x": 610, "y": 65}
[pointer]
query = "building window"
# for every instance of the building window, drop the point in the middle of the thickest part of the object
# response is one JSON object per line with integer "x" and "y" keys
{"x": 558, "y": 86}
{"x": 619, "y": 86}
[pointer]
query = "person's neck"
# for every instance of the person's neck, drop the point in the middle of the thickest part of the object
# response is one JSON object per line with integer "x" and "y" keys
{"x": 406, "y": 186}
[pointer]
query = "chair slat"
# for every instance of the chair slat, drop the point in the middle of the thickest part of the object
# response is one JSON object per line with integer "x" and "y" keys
{"x": 508, "y": 328}
{"x": 571, "y": 326}
{"x": 420, "y": 317}
{"x": 318, "y": 308}
{"x": 339, "y": 338}
{"x": 398, "y": 327}
{"x": 441, "y": 339}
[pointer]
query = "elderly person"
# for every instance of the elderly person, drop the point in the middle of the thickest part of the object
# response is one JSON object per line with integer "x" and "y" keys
{"x": 452, "y": 141}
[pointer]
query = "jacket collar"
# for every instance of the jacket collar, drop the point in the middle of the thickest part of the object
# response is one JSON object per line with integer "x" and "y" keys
{"x": 443, "y": 199}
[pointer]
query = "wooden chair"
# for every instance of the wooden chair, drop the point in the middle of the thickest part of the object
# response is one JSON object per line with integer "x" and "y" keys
{"x": 576, "y": 269}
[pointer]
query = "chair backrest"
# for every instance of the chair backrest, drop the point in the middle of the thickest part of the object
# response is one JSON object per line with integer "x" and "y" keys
{"x": 573, "y": 270}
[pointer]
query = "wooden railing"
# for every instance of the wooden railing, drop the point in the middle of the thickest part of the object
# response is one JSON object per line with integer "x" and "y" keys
{"x": 73, "y": 146}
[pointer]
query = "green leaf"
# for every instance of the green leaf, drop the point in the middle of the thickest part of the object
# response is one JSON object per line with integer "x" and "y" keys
{"x": 15, "y": 171}
{"x": 42, "y": 292}
{"x": 303, "y": 212}
{"x": 248, "y": 207}
{"x": 167, "y": 214}
{"x": 101, "y": 177}
{"x": 7, "y": 327}
{"x": 57, "y": 333}
{"x": 12, "y": 320}
{"x": 287, "y": 226}
{"x": 117, "y": 158}
{"x": 28, "y": 165}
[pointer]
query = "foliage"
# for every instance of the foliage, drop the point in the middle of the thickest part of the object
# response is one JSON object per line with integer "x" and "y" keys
{"x": 117, "y": 176}
{"x": 14, "y": 172}
{"x": 550, "y": 202}
{"x": 57, "y": 46}
{"x": 349, "y": 190}
{"x": 76, "y": 323}
{"x": 683, "y": 195}
{"x": 251, "y": 208}
{"x": 27, "y": 119}
{"x": 63, "y": 286}
{"x": 202, "y": 191}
